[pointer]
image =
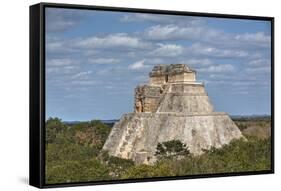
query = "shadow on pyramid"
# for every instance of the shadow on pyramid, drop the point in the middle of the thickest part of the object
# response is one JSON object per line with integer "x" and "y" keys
{"x": 172, "y": 106}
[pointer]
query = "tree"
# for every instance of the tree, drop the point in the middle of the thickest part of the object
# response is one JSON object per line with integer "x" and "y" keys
{"x": 170, "y": 149}
{"x": 53, "y": 127}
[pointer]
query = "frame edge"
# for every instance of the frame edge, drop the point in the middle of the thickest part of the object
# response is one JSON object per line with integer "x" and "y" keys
{"x": 35, "y": 149}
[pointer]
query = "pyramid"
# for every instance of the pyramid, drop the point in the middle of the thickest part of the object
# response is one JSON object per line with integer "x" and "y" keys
{"x": 172, "y": 106}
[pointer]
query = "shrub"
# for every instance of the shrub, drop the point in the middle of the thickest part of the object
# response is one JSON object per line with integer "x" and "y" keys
{"x": 161, "y": 169}
{"x": 53, "y": 127}
{"x": 173, "y": 148}
{"x": 118, "y": 166}
{"x": 238, "y": 156}
{"x": 77, "y": 171}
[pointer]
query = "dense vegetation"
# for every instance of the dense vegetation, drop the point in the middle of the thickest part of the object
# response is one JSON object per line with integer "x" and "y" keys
{"x": 73, "y": 154}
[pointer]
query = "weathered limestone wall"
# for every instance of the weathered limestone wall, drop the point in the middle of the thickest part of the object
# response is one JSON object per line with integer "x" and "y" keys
{"x": 157, "y": 80}
{"x": 147, "y": 98}
{"x": 195, "y": 89}
{"x": 150, "y": 104}
{"x": 186, "y": 98}
{"x": 182, "y": 77}
{"x": 136, "y": 135}
{"x": 183, "y": 102}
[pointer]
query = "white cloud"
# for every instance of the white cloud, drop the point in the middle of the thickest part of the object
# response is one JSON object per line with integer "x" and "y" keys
{"x": 61, "y": 70}
{"x": 154, "y": 61}
{"x": 103, "y": 72}
{"x": 52, "y": 70}
{"x": 197, "y": 62}
{"x": 241, "y": 92}
{"x": 257, "y": 38}
{"x": 59, "y": 20}
{"x": 58, "y": 45}
{"x": 220, "y": 77}
{"x": 81, "y": 75}
{"x": 260, "y": 62}
{"x": 218, "y": 68}
{"x": 59, "y": 25}
{"x": 209, "y": 35}
{"x": 61, "y": 65}
{"x": 231, "y": 77}
{"x": 54, "y": 46}
{"x": 172, "y": 32}
{"x": 85, "y": 82}
{"x": 168, "y": 50}
{"x": 142, "y": 17}
{"x": 185, "y": 32}
{"x": 258, "y": 70}
{"x": 115, "y": 72}
{"x": 211, "y": 51}
{"x": 244, "y": 83}
{"x": 68, "y": 69}
{"x": 103, "y": 60}
{"x": 141, "y": 78}
{"x": 156, "y": 18}
{"x": 138, "y": 65}
{"x": 60, "y": 62}
{"x": 118, "y": 40}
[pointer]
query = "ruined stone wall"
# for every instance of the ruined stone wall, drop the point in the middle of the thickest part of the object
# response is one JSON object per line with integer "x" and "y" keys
{"x": 189, "y": 104}
{"x": 158, "y": 80}
{"x": 179, "y": 96}
{"x": 150, "y": 104}
{"x": 186, "y": 98}
{"x": 147, "y": 98}
{"x": 182, "y": 77}
{"x": 197, "y": 89}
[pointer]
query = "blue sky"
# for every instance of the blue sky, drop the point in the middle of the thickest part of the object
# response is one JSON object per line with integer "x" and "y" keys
{"x": 94, "y": 60}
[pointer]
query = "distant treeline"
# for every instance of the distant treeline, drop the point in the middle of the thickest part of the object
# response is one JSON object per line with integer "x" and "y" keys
{"x": 251, "y": 118}
{"x": 110, "y": 122}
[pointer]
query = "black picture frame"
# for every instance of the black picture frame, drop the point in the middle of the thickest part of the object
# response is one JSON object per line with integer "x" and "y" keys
{"x": 37, "y": 92}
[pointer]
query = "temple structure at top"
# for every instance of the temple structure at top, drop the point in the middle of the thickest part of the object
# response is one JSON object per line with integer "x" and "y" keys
{"x": 178, "y": 83}
{"x": 162, "y": 74}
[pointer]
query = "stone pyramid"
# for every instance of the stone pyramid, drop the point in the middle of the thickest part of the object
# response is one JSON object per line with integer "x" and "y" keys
{"x": 172, "y": 106}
